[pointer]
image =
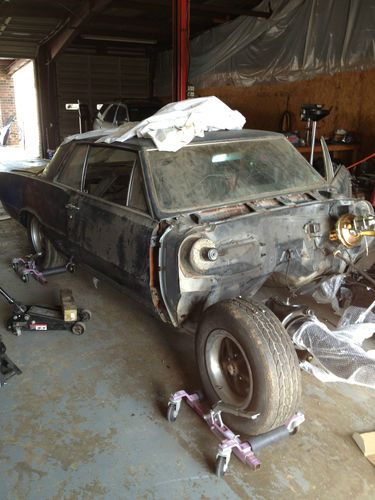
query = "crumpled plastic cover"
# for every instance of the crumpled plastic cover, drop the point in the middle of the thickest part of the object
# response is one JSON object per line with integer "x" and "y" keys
{"x": 301, "y": 39}
{"x": 177, "y": 123}
{"x": 331, "y": 291}
{"x": 338, "y": 354}
{"x": 92, "y": 134}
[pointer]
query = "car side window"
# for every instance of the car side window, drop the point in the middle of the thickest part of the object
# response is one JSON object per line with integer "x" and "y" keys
{"x": 56, "y": 162}
{"x": 122, "y": 115}
{"x": 71, "y": 175}
{"x": 110, "y": 114}
{"x": 108, "y": 173}
{"x": 136, "y": 195}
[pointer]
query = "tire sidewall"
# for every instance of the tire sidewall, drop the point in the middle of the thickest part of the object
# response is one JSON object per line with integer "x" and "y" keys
{"x": 228, "y": 316}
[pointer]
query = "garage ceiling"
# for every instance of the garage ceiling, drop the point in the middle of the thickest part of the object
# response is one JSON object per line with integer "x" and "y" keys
{"x": 27, "y": 24}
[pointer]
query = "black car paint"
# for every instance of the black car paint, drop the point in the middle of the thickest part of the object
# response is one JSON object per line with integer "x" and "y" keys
{"x": 115, "y": 240}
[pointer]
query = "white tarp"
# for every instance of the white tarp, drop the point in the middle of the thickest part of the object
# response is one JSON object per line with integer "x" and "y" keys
{"x": 177, "y": 123}
{"x": 301, "y": 39}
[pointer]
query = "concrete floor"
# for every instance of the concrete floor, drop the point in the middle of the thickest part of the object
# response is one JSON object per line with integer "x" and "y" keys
{"x": 86, "y": 419}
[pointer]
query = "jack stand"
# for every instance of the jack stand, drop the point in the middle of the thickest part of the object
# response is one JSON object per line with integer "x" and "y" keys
{"x": 7, "y": 367}
{"x": 244, "y": 450}
{"x": 27, "y": 266}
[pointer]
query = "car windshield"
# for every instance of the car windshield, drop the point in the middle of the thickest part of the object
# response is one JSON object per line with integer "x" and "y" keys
{"x": 204, "y": 175}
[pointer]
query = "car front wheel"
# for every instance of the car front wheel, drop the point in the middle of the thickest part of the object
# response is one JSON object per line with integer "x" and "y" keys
{"x": 247, "y": 360}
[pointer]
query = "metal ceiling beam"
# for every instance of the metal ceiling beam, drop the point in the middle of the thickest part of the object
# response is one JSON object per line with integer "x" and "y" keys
{"x": 202, "y": 7}
{"x": 45, "y": 11}
{"x": 15, "y": 66}
{"x": 74, "y": 26}
{"x": 231, "y": 10}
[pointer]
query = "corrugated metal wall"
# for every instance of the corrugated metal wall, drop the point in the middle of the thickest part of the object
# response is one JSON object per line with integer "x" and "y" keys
{"x": 94, "y": 79}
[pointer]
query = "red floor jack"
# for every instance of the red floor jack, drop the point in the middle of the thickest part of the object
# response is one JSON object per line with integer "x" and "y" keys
{"x": 244, "y": 450}
{"x": 43, "y": 318}
{"x": 27, "y": 266}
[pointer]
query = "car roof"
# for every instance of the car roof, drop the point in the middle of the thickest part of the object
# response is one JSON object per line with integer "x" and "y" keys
{"x": 218, "y": 136}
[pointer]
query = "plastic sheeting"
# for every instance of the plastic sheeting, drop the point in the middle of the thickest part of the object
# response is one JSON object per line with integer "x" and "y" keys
{"x": 301, "y": 39}
{"x": 338, "y": 354}
{"x": 332, "y": 292}
{"x": 177, "y": 123}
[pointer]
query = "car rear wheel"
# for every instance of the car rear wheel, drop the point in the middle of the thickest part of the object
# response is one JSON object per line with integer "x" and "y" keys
{"x": 48, "y": 256}
{"x": 246, "y": 359}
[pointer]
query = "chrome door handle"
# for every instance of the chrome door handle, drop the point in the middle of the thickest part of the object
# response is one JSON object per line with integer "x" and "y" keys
{"x": 71, "y": 206}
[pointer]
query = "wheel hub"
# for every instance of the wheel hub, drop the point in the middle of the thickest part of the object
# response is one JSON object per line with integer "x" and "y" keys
{"x": 229, "y": 369}
{"x": 232, "y": 369}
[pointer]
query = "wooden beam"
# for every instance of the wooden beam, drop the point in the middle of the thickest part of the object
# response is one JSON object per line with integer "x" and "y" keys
{"x": 67, "y": 34}
{"x": 47, "y": 101}
{"x": 15, "y": 66}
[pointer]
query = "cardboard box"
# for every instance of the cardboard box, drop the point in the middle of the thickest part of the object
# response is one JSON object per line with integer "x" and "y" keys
{"x": 366, "y": 442}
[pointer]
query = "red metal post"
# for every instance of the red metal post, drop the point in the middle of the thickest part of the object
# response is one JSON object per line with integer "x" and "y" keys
{"x": 180, "y": 29}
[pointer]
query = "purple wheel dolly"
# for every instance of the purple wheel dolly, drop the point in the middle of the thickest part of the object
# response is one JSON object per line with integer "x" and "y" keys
{"x": 230, "y": 442}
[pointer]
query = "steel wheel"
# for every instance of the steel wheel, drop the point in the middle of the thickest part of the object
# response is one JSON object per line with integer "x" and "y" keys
{"x": 229, "y": 369}
{"x": 48, "y": 256}
{"x": 37, "y": 236}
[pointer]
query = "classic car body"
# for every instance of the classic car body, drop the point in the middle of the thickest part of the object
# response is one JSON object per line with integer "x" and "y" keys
{"x": 187, "y": 230}
{"x": 114, "y": 114}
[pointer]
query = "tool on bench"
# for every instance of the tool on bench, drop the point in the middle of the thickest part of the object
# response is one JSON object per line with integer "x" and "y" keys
{"x": 7, "y": 367}
{"x": 42, "y": 318}
{"x": 244, "y": 450}
{"x": 27, "y": 266}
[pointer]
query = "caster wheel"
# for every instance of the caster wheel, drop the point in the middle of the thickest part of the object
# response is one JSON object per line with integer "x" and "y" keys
{"x": 172, "y": 413}
{"x": 25, "y": 278}
{"x": 85, "y": 315}
{"x": 71, "y": 268}
{"x": 221, "y": 466}
{"x": 15, "y": 267}
{"x": 78, "y": 328}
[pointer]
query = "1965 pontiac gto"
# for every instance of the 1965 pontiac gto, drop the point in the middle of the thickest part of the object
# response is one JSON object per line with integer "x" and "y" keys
{"x": 195, "y": 234}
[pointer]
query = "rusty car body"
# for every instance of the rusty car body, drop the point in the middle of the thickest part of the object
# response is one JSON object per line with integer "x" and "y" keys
{"x": 195, "y": 234}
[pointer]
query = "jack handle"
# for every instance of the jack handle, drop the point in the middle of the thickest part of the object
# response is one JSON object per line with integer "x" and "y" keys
{"x": 271, "y": 437}
{"x": 18, "y": 306}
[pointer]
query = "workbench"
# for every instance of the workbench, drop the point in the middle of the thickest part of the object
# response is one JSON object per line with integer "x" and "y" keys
{"x": 335, "y": 149}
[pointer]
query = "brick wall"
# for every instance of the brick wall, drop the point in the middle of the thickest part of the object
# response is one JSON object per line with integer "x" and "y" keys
{"x": 7, "y": 106}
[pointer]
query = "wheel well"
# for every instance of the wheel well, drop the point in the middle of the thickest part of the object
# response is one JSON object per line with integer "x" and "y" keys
{"x": 24, "y": 216}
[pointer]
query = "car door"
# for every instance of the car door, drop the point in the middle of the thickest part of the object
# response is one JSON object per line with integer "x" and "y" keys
{"x": 111, "y": 224}
{"x": 69, "y": 180}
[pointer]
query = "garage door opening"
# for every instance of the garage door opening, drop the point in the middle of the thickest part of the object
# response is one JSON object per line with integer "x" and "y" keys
{"x": 19, "y": 122}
